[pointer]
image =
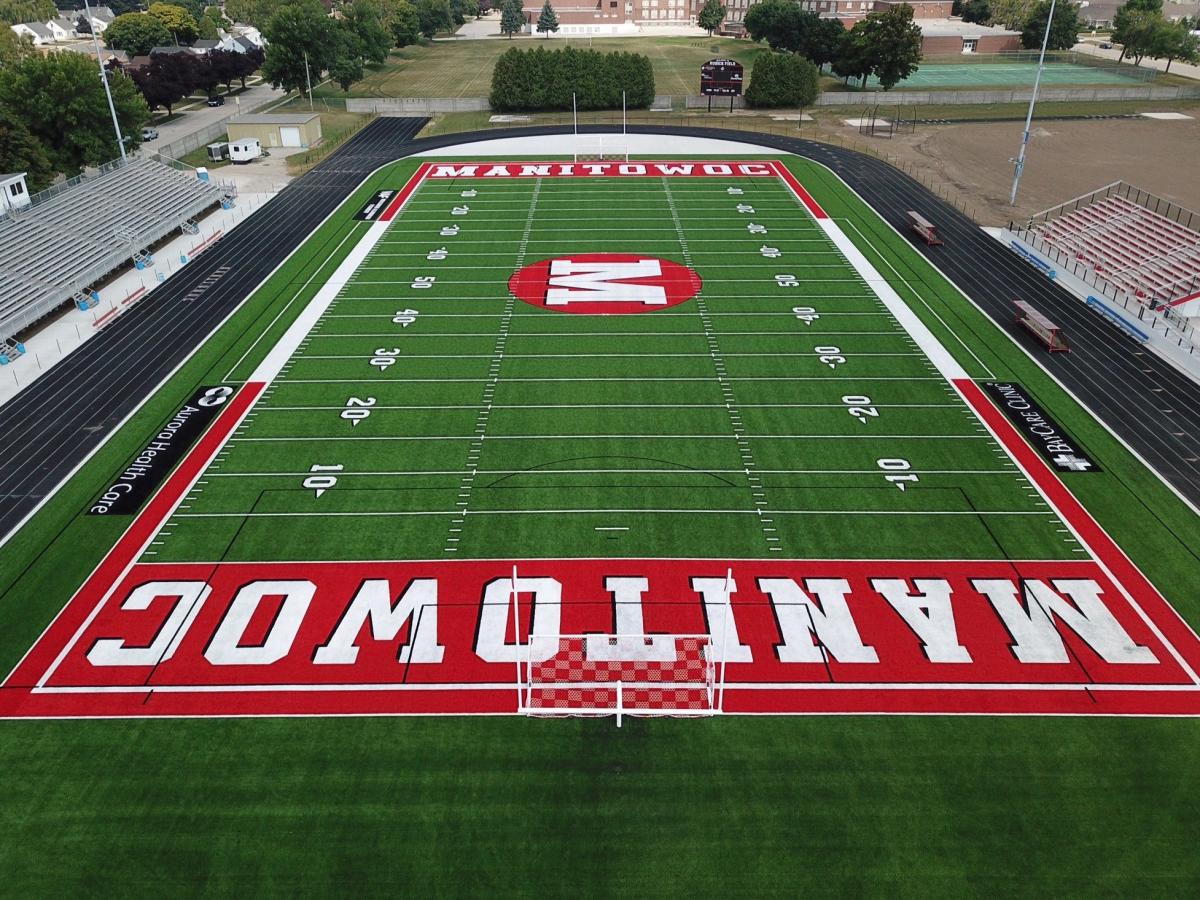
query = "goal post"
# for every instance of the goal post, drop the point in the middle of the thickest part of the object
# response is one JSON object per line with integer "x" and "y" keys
{"x": 618, "y": 675}
{"x": 598, "y": 674}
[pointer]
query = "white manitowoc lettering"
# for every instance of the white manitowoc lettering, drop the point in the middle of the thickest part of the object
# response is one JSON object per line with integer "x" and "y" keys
{"x": 682, "y": 169}
{"x": 629, "y": 643}
{"x": 801, "y": 620}
{"x": 223, "y": 649}
{"x": 755, "y": 169}
{"x": 1035, "y": 637}
{"x": 718, "y": 613}
{"x": 535, "y": 171}
{"x": 454, "y": 171}
{"x": 496, "y": 613}
{"x": 595, "y": 282}
{"x": 416, "y": 606}
{"x": 928, "y": 613}
{"x": 189, "y": 598}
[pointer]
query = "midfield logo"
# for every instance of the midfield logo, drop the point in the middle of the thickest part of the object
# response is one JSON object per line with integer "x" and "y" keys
{"x": 605, "y": 284}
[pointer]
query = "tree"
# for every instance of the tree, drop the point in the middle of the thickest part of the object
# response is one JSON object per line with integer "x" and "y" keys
{"x": 1136, "y": 27}
{"x": 300, "y": 44}
{"x": 778, "y": 22}
{"x": 405, "y": 25}
{"x": 178, "y": 20}
{"x": 782, "y": 80}
{"x": 433, "y": 16}
{"x": 120, "y": 7}
{"x": 1064, "y": 30}
{"x": 712, "y": 14}
{"x": 13, "y": 12}
{"x": 854, "y": 60}
{"x": 14, "y": 48}
{"x": 1011, "y": 13}
{"x": 20, "y": 152}
{"x": 249, "y": 63}
{"x": 168, "y": 79}
{"x": 548, "y": 20}
{"x": 226, "y": 66}
{"x": 1173, "y": 41}
{"x": 83, "y": 25}
{"x": 977, "y": 11}
{"x": 365, "y": 19}
{"x": 136, "y": 33}
{"x": 258, "y": 13}
{"x": 210, "y": 22}
{"x": 825, "y": 41}
{"x": 346, "y": 62}
{"x": 61, "y": 102}
{"x": 512, "y": 19}
{"x": 892, "y": 42}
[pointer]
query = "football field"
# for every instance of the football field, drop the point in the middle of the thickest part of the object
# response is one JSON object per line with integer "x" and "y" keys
{"x": 671, "y": 403}
{"x": 691, "y": 437}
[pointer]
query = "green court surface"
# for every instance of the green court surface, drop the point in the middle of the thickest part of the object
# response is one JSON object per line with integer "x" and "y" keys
{"x": 1015, "y": 74}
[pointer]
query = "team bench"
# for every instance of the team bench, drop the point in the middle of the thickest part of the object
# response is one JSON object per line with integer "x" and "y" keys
{"x": 923, "y": 227}
{"x": 1041, "y": 327}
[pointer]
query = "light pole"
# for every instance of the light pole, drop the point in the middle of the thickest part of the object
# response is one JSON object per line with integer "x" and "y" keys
{"x": 308, "y": 80}
{"x": 104, "y": 78}
{"x": 1019, "y": 165}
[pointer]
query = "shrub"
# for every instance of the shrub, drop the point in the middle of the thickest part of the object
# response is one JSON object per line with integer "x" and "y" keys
{"x": 540, "y": 79}
{"x": 782, "y": 79}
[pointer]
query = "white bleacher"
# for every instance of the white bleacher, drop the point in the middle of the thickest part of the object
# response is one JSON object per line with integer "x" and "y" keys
{"x": 1147, "y": 255}
{"x": 55, "y": 248}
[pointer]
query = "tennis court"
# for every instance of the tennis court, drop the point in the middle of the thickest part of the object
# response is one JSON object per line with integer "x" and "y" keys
{"x": 1013, "y": 74}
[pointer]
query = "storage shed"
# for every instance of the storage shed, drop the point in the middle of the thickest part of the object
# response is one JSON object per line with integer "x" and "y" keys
{"x": 297, "y": 130}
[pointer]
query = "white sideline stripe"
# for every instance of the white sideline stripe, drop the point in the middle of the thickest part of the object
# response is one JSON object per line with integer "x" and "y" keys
{"x": 608, "y": 437}
{"x": 579, "y": 512}
{"x": 507, "y": 472}
{"x": 900, "y": 310}
{"x": 278, "y": 356}
{"x": 375, "y": 380}
{"x": 623, "y": 406}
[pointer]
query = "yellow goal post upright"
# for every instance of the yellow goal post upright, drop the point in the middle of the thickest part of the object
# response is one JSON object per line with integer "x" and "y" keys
{"x": 619, "y": 675}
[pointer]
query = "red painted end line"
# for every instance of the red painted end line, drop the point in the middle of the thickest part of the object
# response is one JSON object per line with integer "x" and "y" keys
{"x": 805, "y": 197}
{"x": 1145, "y": 595}
{"x": 405, "y": 192}
{"x": 108, "y": 574}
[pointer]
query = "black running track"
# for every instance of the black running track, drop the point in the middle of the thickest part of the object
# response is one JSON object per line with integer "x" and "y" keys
{"x": 62, "y": 416}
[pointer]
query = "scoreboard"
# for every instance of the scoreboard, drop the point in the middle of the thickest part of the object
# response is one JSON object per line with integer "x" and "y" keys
{"x": 721, "y": 77}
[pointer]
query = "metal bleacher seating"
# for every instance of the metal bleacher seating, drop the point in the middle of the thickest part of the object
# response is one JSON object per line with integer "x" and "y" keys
{"x": 1147, "y": 255}
{"x": 57, "y": 247}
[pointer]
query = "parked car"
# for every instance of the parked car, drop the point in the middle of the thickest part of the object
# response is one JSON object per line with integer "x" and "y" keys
{"x": 1106, "y": 45}
{"x": 216, "y": 101}
{"x": 149, "y": 134}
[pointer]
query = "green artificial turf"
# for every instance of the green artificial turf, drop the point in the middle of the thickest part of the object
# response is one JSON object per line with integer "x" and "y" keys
{"x": 823, "y": 805}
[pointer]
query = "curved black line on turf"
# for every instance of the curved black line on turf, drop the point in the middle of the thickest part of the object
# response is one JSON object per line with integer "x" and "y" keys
{"x": 66, "y": 413}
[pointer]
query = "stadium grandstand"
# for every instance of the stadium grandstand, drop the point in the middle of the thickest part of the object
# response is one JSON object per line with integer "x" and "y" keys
{"x": 57, "y": 248}
{"x": 1129, "y": 241}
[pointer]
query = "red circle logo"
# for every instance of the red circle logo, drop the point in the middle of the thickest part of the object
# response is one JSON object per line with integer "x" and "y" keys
{"x": 605, "y": 284}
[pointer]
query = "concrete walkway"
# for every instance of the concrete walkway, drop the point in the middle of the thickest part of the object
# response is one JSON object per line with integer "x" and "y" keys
{"x": 199, "y": 115}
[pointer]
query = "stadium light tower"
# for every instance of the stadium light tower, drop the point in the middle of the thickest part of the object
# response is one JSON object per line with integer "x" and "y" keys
{"x": 1019, "y": 166}
{"x": 104, "y": 77}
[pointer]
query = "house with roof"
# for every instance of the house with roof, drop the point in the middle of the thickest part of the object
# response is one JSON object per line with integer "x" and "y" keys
{"x": 36, "y": 32}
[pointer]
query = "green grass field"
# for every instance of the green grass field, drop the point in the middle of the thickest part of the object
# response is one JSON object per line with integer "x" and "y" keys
{"x": 629, "y": 415}
{"x": 464, "y": 69}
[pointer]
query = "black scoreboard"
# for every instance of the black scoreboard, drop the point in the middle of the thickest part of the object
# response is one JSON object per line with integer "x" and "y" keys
{"x": 721, "y": 77}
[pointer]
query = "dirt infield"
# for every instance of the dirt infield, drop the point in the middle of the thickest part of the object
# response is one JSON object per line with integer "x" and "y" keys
{"x": 1064, "y": 160}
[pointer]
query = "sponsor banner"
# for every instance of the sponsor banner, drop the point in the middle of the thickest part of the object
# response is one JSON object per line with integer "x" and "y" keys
{"x": 158, "y": 457}
{"x": 376, "y": 205}
{"x": 1048, "y": 438}
{"x": 445, "y": 637}
{"x": 694, "y": 169}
